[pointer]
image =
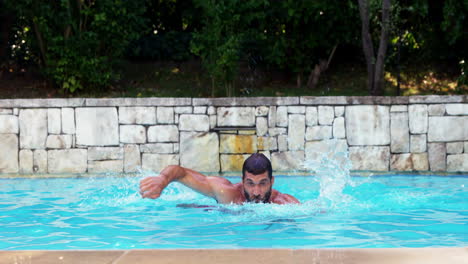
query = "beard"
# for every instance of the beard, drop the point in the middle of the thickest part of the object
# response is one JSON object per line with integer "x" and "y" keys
{"x": 258, "y": 198}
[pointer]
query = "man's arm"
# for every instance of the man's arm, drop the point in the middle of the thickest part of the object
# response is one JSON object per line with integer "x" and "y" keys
{"x": 152, "y": 187}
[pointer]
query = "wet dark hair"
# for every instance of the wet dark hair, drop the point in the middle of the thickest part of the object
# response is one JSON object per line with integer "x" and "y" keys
{"x": 256, "y": 164}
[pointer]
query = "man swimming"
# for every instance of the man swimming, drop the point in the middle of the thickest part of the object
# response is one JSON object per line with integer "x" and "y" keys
{"x": 256, "y": 185}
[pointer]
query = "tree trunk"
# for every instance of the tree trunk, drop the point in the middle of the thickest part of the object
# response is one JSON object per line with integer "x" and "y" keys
{"x": 367, "y": 45}
{"x": 380, "y": 64}
{"x": 375, "y": 66}
{"x": 321, "y": 67}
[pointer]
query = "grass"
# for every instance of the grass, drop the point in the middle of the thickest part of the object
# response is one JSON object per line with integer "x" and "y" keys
{"x": 170, "y": 79}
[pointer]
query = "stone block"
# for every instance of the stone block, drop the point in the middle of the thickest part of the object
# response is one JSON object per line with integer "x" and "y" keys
{"x": 159, "y": 148}
{"x": 398, "y": 108}
{"x": 436, "y": 109}
{"x": 105, "y": 153}
{"x": 238, "y": 144}
{"x": 326, "y": 115}
{"x": 236, "y": 116}
{"x": 262, "y": 110}
{"x": 97, "y": 126}
{"x": 6, "y": 111}
{"x": 418, "y": 143}
{"x": 296, "y": 132}
{"x": 132, "y": 158}
{"x": 433, "y": 99}
{"x": 132, "y": 134}
{"x": 409, "y": 162}
{"x": 437, "y": 154}
{"x": 311, "y": 116}
{"x": 165, "y": 115}
{"x": 266, "y": 143}
{"x": 282, "y": 116}
{"x": 176, "y": 119}
{"x": 272, "y": 116}
{"x": 399, "y": 130}
{"x": 247, "y": 132}
{"x": 54, "y": 120}
{"x": 9, "y": 124}
{"x": 367, "y": 125}
{"x": 183, "y": 110}
{"x": 9, "y": 153}
{"x": 40, "y": 161}
{"x": 67, "y": 161}
{"x": 455, "y": 148}
{"x": 15, "y": 111}
{"x": 370, "y": 158}
{"x": 282, "y": 143}
{"x": 318, "y": 133}
{"x": 448, "y": 128}
{"x": 339, "y": 111}
{"x": 199, "y": 151}
{"x": 176, "y": 147}
{"x": 315, "y": 150}
{"x": 418, "y": 116}
{"x": 466, "y": 147}
{"x": 157, "y": 162}
{"x": 213, "y": 121}
{"x": 147, "y": 101}
{"x": 137, "y": 115}
{"x": 339, "y": 129}
{"x": 59, "y": 141}
{"x": 163, "y": 133}
{"x": 26, "y": 161}
{"x": 232, "y": 162}
{"x": 457, "y": 109}
{"x": 33, "y": 128}
{"x": 194, "y": 123}
{"x": 296, "y": 109}
{"x": 68, "y": 120}
{"x": 458, "y": 162}
{"x": 199, "y": 110}
{"x": 262, "y": 126}
{"x": 105, "y": 166}
{"x": 246, "y": 101}
{"x": 287, "y": 161}
{"x": 273, "y": 132}
{"x": 211, "y": 110}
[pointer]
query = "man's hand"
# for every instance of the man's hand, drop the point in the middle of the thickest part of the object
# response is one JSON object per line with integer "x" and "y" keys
{"x": 152, "y": 187}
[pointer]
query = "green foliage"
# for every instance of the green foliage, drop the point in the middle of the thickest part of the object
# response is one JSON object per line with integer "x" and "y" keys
{"x": 227, "y": 24}
{"x": 169, "y": 46}
{"x": 79, "y": 43}
{"x": 299, "y": 33}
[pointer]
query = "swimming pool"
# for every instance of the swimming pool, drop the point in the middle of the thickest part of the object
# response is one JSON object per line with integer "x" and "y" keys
{"x": 108, "y": 213}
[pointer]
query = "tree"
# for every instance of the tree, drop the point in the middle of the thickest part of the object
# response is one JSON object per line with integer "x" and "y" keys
{"x": 375, "y": 65}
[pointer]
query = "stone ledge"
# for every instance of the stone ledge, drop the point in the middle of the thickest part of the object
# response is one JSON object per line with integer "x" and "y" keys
{"x": 233, "y": 101}
{"x": 246, "y": 101}
{"x": 149, "y": 101}
{"x": 425, "y": 99}
{"x": 221, "y": 256}
{"x": 353, "y": 100}
{"x": 33, "y": 103}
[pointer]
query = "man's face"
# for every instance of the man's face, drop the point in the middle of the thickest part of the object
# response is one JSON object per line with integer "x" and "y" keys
{"x": 257, "y": 188}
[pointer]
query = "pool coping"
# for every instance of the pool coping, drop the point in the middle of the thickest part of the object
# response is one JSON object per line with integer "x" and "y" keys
{"x": 220, "y": 256}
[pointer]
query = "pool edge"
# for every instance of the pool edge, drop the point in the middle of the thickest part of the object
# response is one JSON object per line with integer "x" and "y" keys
{"x": 453, "y": 255}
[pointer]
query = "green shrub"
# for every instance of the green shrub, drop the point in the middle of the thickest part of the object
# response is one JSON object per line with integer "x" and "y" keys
{"x": 78, "y": 44}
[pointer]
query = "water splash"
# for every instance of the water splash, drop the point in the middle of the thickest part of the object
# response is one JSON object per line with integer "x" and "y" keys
{"x": 332, "y": 170}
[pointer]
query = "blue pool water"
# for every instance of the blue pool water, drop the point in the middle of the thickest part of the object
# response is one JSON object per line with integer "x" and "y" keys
{"x": 108, "y": 213}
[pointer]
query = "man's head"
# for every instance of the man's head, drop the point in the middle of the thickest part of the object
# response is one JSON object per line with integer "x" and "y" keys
{"x": 257, "y": 178}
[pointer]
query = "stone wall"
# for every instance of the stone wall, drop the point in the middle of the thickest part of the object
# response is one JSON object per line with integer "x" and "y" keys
{"x": 419, "y": 133}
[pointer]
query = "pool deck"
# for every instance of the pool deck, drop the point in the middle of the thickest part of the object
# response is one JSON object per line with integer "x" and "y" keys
{"x": 224, "y": 256}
